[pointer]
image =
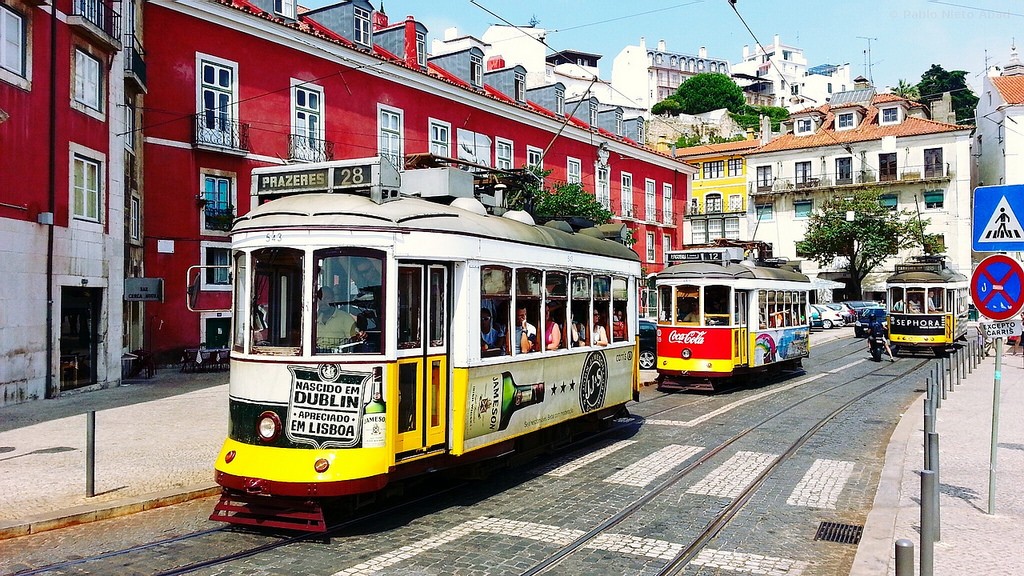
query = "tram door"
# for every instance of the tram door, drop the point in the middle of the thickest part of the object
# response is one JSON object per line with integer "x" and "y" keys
{"x": 423, "y": 300}
{"x": 740, "y": 321}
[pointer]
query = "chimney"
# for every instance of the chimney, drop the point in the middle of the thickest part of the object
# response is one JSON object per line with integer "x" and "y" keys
{"x": 643, "y": 43}
{"x": 495, "y": 62}
{"x": 702, "y": 52}
{"x": 766, "y": 129}
{"x": 380, "y": 19}
{"x": 942, "y": 109}
{"x": 451, "y": 33}
{"x": 661, "y": 45}
{"x": 777, "y": 42}
{"x": 861, "y": 82}
{"x": 746, "y": 51}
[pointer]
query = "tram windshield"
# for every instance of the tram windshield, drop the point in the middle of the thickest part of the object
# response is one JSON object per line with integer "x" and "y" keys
{"x": 348, "y": 302}
{"x": 916, "y": 300}
{"x": 275, "y": 301}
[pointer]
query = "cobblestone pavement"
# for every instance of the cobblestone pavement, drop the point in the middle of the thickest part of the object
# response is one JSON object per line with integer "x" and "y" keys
{"x": 517, "y": 519}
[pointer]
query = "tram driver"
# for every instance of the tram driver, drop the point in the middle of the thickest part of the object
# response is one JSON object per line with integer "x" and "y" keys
{"x": 334, "y": 326}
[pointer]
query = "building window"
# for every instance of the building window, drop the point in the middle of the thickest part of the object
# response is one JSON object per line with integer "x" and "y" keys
{"x": 933, "y": 163}
{"x": 735, "y": 203}
{"x": 715, "y": 229}
{"x": 216, "y": 255}
{"x": 887, "y": 166}
{"x": 421, "y": 50}
{"x": 933, "y": 198}
{"x": 732, "y": 228}
{"x": 519, "y": 87}
{"x": 503, "y": 154}
{"x": 573, "y": 172}
{"x": 890, "y": 115}
{"x": 362, "y": 26}
{"x": 650, "y": 199}
{"x": 129, "y": 125}
{"x": 534, "y": 158}
{"x": 845, "y": 121}
{"x": 713, "y": 203}
{"x": 666, "y": 244}
{"x": 285, "y": 8}
{"x": 700, "y": 232}
{"x": 86, "y": 198}
{"x": 626, "y": 194}
{"x": 560, "y": 102}
{"x": 641, "y": 137}
{"x": 765, "y": 212}
{"x": 735, "y": 167}
{"x": 88, "y": 80}
{"x": 802, "y": 209}
{"x": 135, "y": 219}
{"x": 666, "y": 203}
{"x": 593, "y": 114}
{"x": 476, "y": 70}
{"x": 390, "y": 129}
{"x": 803, "y": 173}
{"x": 714, "y": 169}
{"x": 440, "y": 139}
{"x": 651, "y": 248}
{"x": 603, "y": 192}
{"x": 217, "y": 104}
{"x": 844, "y": 170}
{"x": 218, "y": 197}
{"x": 308, "y": 124}
{"x": 804, "y": 126}
{"x": 12, "y": 41}
{"x": 888, "y": 200}
{"x": 764, "y": 177}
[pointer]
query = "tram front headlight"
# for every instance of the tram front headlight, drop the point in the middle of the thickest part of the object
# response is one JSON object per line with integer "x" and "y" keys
{"x": 687, "y": 353}
{"x": 268, "y": 426}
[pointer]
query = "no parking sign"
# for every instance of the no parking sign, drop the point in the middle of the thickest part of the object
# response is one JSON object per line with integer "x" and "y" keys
{"x": 997, "y": 287}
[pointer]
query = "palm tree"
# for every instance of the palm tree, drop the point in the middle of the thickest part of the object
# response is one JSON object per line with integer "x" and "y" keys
{"x": 906, "y": 90}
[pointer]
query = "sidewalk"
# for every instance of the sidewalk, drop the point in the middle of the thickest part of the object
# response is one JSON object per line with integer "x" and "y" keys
{"x": 971, "y": 540}
{"x": 156, "y": 441}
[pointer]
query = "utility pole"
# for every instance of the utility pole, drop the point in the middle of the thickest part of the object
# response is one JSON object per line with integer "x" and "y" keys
{"x": 867, "y": 61}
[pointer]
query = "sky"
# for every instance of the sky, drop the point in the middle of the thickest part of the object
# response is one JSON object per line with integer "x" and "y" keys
{"x": 905, "y": 36}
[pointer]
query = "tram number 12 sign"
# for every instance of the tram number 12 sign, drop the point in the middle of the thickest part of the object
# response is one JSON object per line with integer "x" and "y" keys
{"x": 997, "y": 287}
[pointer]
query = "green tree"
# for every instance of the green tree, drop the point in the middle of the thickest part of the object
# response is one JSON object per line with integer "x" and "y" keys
{"x": 669, "y": 106}
{"x": 710, "y": 91}
{"x": 937, "y": 80}
{"x": 563, "y": 200}
{"x": 906, "y": 90}
{"x": 861, "y": 232}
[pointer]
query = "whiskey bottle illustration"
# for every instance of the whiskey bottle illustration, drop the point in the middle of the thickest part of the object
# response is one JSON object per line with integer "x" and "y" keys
{"x": 492, "y": 403}
{"x": 375, "y": 413}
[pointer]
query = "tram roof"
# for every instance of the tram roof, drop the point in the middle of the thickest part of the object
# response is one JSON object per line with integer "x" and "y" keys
{"x": 731, "y": 270}
{"x": 407, "y": 214}
{"x": 924, "y": 277}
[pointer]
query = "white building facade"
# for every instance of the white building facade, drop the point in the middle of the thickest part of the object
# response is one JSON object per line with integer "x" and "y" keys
{"x": 795, "y": 84}
{"x": 876, "y": 141}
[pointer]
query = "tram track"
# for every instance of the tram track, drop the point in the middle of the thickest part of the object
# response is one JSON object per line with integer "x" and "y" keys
{"x": 689, "y": 551}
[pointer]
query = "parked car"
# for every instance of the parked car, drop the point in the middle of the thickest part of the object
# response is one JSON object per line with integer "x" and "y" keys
{"x": 858, "y": 304}
{"x": 849, "y": 314}
{"x": 648, "y": 336}
{"x": 864, "y": 316}
{"x": 829, "y": 318}
{"x": 815, "y": 317}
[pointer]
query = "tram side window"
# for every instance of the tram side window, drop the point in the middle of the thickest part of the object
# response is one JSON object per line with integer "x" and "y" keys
{"x": 602, "y": 310}
{"x": 762, "y": 309}
{"x": 275, "y": 302}
{"x": 897, "y": 302}
{"x": 556, "y": 298}
{"x": 410, "y": 307}
{"x": 716, "y": 305}
{"x": 525, "y": 337}
{"x": 665, "y": 304}
{"x": 495, "y": 310}
{"x": 788, "y": 309}
{"x": 935, "y": 300}
{"x": 915, "y": 300}
{"x": 620, "y": 301}
{"x": 687, "y": 301}
{"x": 349, "y": 286}
{"x": 579, "y": 331}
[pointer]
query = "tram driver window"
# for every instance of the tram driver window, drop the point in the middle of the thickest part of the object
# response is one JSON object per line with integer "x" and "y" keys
{"x": 495, "y": 310}
{"x": 275, "y": 301}
{"x": 348, "y": 302}
{"x": 915, "y": 300}
{"x": 716, "y": 305}
{"x": 896, "y": 300}
{"x": 687, "y": 309}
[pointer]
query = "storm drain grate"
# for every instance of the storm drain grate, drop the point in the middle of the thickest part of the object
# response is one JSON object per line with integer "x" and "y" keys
{"x": 841, "y": 533}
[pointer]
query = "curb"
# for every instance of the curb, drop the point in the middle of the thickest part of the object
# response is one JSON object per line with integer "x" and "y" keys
{"x": 86, "y": 513}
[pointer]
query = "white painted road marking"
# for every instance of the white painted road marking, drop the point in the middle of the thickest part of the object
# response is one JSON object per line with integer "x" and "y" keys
{"x": 822, "y": 484}
{"x": 648, "y": 469}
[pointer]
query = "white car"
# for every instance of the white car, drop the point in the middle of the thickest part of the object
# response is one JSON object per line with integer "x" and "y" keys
{"x": 829, "y": 318}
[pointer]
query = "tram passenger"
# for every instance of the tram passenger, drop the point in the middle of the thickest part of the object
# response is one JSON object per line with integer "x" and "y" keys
{"x": 914, "y": 303}
{"x": 619, "y": 326}
{"x": 334, "y": 326}
{"x": 598, "y": 335}
{"x": 552, "y": 332}
{"x": 897, "y": 306}
{"x": 934, "y": 300}
{"x": 526, "y": 333}
{"x": 492, "y": 338}
{"x": 689, "y": 311}
{"x": 578, "y": 333}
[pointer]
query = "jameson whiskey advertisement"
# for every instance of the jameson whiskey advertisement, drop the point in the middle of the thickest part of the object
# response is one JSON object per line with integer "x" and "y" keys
{"x": 492, "y": 404}
{"x": 375, "y": 413}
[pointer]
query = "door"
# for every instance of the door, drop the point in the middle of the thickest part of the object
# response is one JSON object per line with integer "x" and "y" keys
{"x": 423, "y": 321}
{"x": 79, "y": 335}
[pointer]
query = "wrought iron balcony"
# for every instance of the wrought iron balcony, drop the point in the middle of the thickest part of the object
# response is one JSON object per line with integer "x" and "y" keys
{"x": 134, "y": 62}
{"x": 851, "y": 178}
{"x": 213, "y": 131}
{"x": 98, "y": 20}
{"x": 218, "y": 218}
{"x": 307, "y": 149}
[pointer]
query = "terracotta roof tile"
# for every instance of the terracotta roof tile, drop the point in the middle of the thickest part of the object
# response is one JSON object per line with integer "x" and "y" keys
{"x": 1011, "y": 88}
{"x": 868, "y": 130}
{"x": 717, "y": 149}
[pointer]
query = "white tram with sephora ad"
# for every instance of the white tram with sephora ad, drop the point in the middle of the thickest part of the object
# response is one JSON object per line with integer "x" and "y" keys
{"x": 928, "y": 304}
{"x": 722, "y": 316}
{"x": 383, "y": 329}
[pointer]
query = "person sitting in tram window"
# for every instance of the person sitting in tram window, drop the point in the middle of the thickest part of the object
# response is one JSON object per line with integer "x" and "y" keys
{"x": 689, "y": 311}
{"x": 619, "y": 326}
{"x": 526, "y": 333}
{"x": 934, "y": 300}
{"x": 334, "y": 326}
{"x": 897, "y": 306}
{"x": 578, "y": 333}
{"x": 492, "y": 338}
{"x": 552, "y": 332}
{"x": 914, "y": 303}
{"x": 598, "y": 334}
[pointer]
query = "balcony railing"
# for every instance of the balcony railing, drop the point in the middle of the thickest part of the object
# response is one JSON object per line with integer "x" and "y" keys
{"x": 98, "y": 20}
{"x": 215, "y": 132}
{"x": 306, "y": 149}
{"x": 134, "y": 62}
{"x": 701, "y": 210}
{"x": 852, "y": 178}
{"x": 218, "y": 218}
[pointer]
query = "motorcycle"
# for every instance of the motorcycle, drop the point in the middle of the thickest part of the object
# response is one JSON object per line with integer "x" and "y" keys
{"x": 877, "y": 345}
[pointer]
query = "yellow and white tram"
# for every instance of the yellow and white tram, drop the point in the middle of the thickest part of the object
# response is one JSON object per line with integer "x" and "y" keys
{"x": 928, "y": 304}
{"x": 379, "y": 334}
{"x": 721, "y": 316}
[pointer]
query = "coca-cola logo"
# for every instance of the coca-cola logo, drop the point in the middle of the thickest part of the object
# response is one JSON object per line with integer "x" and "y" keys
{"x": 691, "y": 337}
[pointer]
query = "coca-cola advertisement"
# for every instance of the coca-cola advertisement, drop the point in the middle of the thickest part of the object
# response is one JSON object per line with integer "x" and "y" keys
{"x": 704, "y": 342}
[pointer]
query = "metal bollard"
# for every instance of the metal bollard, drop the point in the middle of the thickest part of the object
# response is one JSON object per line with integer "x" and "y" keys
{"x": 904, "y": 557}
{"x": 945, "y": 376}
{"x": 938, "y": 384}
{"x": 90, "y": 454}
{"x": 955, "y": 367}
{"x": 927, "y": 523}
{"x": 932, "y": 448}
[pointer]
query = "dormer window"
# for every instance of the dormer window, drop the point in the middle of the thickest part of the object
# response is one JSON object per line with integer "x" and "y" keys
{"x": 593, "y": 116}
{"x": 519, "y": 86}
{"x": 421, "y": 50}
{"x": 362, "y": 26}
{"x": 640, "y": 137}
{"x": 890, "y": 115}
{"x": 845, "y": 121}
{"x": 285, "y": 8}
{"x": 476, "y": 70}
{"x": 804, "y": 126}
{"x": 618, "y": 123}
{"x": 560, "y": 102}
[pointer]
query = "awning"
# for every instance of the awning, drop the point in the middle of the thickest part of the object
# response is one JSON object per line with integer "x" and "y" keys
{"x": 823, "y": 283}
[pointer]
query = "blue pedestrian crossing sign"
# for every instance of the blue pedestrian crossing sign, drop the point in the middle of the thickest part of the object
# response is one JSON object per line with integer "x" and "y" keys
{"x": 996, "y": 224}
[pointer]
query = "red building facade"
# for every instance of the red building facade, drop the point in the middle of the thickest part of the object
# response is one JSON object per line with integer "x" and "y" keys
{"x": 238, "y": 86}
